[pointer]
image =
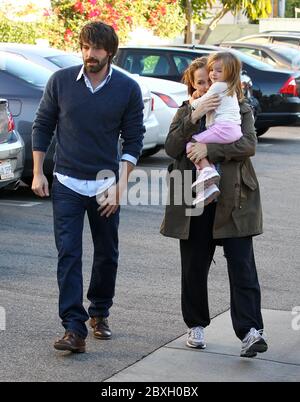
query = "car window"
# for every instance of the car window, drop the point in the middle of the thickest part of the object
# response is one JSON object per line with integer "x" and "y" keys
{"x": 65, "y": 60}
{"x": 25, "y": 70}
{"x": 281, "y": 41}
{"x": 245, "y": 58}
{"x": 182, "y": 62}
{"x": 266, "y": 58}
{"x": 289, "y": 53}
{"x": 149, "y": 64}
{"x": 251, "y": 52}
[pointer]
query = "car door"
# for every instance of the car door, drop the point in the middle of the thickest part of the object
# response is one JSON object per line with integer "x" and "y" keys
{"x": 148, "y": 63}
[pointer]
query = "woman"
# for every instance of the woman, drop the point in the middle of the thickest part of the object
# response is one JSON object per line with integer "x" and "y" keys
{"x": 232, "y": 221}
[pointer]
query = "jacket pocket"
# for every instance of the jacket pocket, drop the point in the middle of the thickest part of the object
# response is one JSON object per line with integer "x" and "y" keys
{"x": 247, "y": 178}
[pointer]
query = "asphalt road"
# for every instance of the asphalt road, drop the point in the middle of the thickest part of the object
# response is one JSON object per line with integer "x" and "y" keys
{"x": 146, "y": 312}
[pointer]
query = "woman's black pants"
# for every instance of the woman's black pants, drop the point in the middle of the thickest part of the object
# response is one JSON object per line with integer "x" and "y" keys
{"x": 196, "y": 256}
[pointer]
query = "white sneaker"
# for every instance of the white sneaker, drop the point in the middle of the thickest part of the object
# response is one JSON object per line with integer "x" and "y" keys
{"x": 195, "y": 338}
{"x": 207, "y": 196}
{"x": 254, "y": 342}
{"x": 207, "y": 176}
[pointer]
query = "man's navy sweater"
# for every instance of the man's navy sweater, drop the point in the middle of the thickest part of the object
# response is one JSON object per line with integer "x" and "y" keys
{"x": 89, "y": 124}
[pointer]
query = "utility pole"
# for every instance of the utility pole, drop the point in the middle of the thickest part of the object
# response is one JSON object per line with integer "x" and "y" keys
{"x": 281, "y": 8}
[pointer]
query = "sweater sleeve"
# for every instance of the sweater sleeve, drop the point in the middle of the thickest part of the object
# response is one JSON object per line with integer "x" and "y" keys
{"x": 217, "y": 88}
{"x": 46, "y": 118}
{"x": 132, "y": 128}
{"x": 180, "y": 132}
{"x": 238, "y": 150}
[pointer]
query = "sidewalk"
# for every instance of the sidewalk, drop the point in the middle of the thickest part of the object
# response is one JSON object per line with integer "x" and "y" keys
{"x": 220, "y": 361}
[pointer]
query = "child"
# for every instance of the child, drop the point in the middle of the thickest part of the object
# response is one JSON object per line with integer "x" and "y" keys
{"x": 223, "y": 124}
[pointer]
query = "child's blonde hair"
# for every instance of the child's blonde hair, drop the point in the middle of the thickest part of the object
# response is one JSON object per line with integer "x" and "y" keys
{"x": 232, "y": 72}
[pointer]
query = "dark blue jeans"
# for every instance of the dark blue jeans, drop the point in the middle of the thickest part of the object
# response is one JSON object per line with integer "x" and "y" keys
{"x": 69, "y": 210}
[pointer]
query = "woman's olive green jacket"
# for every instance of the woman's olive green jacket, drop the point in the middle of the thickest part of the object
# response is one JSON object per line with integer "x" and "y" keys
{"x": 238, "y": 211}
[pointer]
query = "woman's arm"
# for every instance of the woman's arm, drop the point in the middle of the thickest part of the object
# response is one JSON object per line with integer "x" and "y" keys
{"x": 239, "y": 150}
{"x": 181, "y": 130}
{"x": 185, "y": 124}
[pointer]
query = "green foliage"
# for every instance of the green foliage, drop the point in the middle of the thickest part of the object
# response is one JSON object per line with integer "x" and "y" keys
{"x": 20, "y": 32}
{"x": 200, "y": 8}
{"x": 290, "y": 8}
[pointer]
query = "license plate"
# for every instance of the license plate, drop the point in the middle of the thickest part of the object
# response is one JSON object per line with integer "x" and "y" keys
{"x": 6, "y": 170}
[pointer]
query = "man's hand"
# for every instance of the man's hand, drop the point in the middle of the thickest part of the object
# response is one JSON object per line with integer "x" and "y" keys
{"x": 110, "y": 201}
{"x": 197, "y": 152}
{"x": 40, "y": 185}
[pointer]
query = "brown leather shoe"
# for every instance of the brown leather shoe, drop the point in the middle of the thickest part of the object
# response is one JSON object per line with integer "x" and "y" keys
{"x": 100, "y": 327}
{"x": 71, "y": 342}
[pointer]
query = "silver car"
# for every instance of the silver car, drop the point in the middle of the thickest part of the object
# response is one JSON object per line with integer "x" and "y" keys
{"x": 12, "y": 151}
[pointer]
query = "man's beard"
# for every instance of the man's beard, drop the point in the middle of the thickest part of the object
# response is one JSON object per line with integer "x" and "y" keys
{"x": 98, "y": 66}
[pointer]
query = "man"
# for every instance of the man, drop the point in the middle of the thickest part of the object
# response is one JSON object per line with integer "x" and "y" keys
{"x": 89, "y": 106}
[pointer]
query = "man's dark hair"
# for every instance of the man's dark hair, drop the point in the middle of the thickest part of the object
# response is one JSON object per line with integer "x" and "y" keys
{"x": 100, "y": 35}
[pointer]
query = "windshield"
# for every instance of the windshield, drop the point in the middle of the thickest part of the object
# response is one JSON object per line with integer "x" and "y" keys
{"x": 65, "y": 60}
{"x": 25, "y": 70}
{"x": 251, "y": 61}
{"x": 291, "y": 54}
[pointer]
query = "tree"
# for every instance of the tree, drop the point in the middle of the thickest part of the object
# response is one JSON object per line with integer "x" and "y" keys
{"x": 253, "y": 9}
{"x": 195, "y": 11}
{"x": 290, "y": 8}
{"x": 163, "y": 17}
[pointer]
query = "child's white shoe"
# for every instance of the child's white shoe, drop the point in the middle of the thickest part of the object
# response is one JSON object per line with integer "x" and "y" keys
{"x": 207, "y": 176}
{"x": 207, "y": 196}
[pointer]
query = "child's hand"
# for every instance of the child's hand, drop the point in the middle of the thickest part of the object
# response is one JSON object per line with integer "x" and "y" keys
{"x": 195, "y": 95}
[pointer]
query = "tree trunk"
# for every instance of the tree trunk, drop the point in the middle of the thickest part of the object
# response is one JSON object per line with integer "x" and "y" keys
{"x": 212, "y": 25}
{"x": 189, "y": 16}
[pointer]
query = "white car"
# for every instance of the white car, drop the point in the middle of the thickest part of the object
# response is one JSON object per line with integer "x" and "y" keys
{"x": 166, "y": 95}
{"x": 11, "y": 149}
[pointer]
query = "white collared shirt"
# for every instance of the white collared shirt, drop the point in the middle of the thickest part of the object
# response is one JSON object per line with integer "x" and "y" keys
{"x": 91, "y": 187}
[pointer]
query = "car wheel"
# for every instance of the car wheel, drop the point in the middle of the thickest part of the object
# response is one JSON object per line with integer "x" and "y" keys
{"x": 261, "y": 131}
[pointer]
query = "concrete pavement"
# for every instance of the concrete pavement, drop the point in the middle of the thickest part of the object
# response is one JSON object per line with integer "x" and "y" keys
{"x": 220, "y": 362}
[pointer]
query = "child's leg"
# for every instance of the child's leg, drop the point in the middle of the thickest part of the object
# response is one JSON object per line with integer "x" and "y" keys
{"x": 204, "y": 164}
{"x": 219, "y": 133}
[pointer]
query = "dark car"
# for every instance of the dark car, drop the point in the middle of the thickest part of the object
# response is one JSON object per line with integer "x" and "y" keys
{"x": 277, "y": 91}
{"x": 277, "y": 56}
{"x": 274, "y": 37}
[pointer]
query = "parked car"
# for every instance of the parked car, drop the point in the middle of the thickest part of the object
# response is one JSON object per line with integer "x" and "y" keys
{"x": 47, "y": 57}
{"x": 174, "y": 66}
{"x": 166, "y": 97}
{"x": 22, "y": 83}
{"x": 277, "y": 91}
{"x": 277, "y": 56}
{"x": 273, "y": 37}
{"x": 11, "y": 149}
